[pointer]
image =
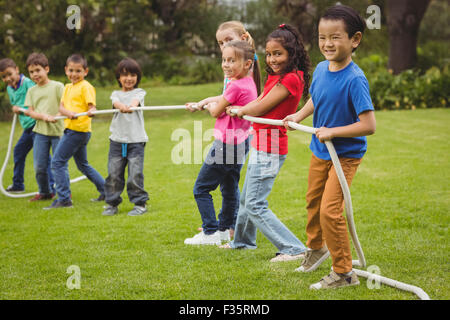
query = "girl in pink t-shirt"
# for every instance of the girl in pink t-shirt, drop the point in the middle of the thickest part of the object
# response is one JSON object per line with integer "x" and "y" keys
{"x": 226, "y": 157}
{"x": 288, "y": 78}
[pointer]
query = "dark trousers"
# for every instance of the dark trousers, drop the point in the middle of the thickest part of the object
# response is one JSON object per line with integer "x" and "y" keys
{"x": 121, "y": 155}
{"x": 222, "y": 167}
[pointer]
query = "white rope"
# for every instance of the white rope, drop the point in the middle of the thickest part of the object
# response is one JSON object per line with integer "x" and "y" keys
{"x": 337, "y": 165}
{"x": 348, "y": 209}
{"x": 5, "y": 163}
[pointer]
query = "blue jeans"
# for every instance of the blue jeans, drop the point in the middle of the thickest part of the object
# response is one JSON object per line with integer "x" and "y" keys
{"x": 73, "y": 144}
{"x": 21, "y": 150}
{"x": 42, "y": 162}
{"x": 222, "y": 167}
{"x": 121, "y": 155}
{"x": 254, "y": 213}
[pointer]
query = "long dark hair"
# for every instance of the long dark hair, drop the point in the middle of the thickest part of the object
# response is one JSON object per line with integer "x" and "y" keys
{"x": 292, "y": 41}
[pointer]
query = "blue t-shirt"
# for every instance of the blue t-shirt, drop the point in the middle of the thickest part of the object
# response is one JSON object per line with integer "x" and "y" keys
{"x": 339, "y": 97}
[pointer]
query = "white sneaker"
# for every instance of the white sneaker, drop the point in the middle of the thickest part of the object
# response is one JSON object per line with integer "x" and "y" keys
{"x": 224, "y": 235}
{"x": 201, "y": 238}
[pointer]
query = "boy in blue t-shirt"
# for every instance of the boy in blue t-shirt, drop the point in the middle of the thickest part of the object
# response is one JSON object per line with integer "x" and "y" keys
{"x": 344, "y": 113}
{"x": 17, "y": 87}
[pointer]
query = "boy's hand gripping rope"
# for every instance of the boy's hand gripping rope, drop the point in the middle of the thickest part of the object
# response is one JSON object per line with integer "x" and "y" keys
{"x": 337, "y": 165}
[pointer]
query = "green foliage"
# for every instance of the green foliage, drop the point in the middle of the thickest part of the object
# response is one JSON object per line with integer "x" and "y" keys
{"x": 409, "y": 90}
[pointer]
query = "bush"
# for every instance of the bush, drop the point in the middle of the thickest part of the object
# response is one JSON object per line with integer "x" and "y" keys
{"x": 409, "y": 90}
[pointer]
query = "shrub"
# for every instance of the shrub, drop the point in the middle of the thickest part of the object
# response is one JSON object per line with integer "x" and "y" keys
{"x": 409, "y": 90}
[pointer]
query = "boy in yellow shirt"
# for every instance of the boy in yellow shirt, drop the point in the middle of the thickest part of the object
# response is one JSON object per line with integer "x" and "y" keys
{"x": 78, "y": 96}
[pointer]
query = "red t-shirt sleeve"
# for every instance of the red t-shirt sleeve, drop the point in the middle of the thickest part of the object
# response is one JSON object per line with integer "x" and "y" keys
{"x": 293, "y": 83}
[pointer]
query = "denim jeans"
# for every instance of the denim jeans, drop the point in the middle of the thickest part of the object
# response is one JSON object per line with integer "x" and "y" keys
{"x": 21, "y": 150}
{"x": 254, "y": 213}
{"x": 73, "y": 144}
{"x": 222, "y": 167}
{"x": 121, "y": 155}
{"x": 42, "y": 161}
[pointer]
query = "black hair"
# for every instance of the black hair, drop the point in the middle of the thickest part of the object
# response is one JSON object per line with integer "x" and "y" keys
{"x": 292, "y": 41}
{"x": 351, "y": 18}
{"x": 7, "y": 63}
{"x": 126, "y": 66}
{"x": 77, "y": 58}
{"x": 37, "y": 59}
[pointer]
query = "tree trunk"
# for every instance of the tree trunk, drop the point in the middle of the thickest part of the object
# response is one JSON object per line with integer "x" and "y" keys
{"x": 404, "y": 17}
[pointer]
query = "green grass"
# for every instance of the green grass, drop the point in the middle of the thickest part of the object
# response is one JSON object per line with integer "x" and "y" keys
{"x": 400, "y": 198}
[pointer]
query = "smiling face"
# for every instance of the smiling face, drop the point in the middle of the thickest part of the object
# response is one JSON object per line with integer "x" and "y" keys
{"x": 277, "y": 57}
{"x": 335, "y": 44}
{"x": 75, "y": 72}
{"x": 39, "y": 74}
{"x": 128, "y": 81}
{"x": 234, "y": 67}
{"x": 10, "y": 76}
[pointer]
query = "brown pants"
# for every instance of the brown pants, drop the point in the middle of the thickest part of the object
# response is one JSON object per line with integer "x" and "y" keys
{"x": 325, "y": 204}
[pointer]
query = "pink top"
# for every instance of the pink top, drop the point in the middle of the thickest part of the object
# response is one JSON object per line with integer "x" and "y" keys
{"x": 232, "y": 130}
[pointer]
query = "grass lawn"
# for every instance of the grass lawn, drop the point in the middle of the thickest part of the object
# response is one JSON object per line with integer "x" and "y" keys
{"x": 401, "y": 200}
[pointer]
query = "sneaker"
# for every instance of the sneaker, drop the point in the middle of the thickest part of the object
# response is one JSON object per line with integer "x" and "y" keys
{"x": 335, "y": 280}
{"x": 313, "y": 259}
{"x": 138, "y": 210}
{"x": 42, "y": 196}
{"x": 13, "y": 189}
{"x": 281, "y": 257}
{"x": 99, "y": 199}
{"x": 224, "y": 235}
{"x": 60, "y": 204}
{"x": 202, "y": 238}
{"x": 110, "y": 211}
{"x": 226, "y": 246}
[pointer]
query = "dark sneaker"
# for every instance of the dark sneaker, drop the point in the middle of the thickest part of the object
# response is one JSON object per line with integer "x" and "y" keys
{"x": 336, "y": 280}
{"x": 60, "y": 204}
{"x": 313, "y": 259}
{"x": 42, "y": 196}
{"x": 110, "y": 211}
{"x": 99, "y": 199}
{"x": 138, "y": 210}
{"x": 13, "y": 189}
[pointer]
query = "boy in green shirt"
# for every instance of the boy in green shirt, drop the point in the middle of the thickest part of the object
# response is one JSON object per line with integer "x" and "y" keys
{"x": 17, "y": 87}
{"x": 43, "y": 102}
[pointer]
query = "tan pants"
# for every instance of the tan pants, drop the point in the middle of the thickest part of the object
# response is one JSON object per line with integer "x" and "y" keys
{"x": 325, "y": 204}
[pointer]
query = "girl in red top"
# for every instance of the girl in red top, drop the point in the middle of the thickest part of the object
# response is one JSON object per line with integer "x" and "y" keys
{"x": 288, "y": 80}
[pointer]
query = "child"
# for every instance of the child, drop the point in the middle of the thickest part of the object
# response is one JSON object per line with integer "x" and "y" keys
{"x": 343, "y": 112}
{"x": 43, "y": 102}
{"x": 78, "y": 96}
{"x": 227, "y": 155}
{"x": 287, "y": 69}
{"x": 17, "y": 87}
{"x": 226, "y": 32}
{"x": 127, "y": 142}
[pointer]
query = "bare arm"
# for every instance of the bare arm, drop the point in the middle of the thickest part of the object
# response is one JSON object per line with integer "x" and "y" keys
{"x": 262, "y": 105}
{"x": 39, "y": 116}
{"x": 216, "y": 109}
{"x": 366, "y": 126}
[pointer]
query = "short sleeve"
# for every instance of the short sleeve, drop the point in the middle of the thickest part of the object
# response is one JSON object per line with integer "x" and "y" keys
{"x": 360, "y": 95}
{"x": 59, "y": 91}
{"x": 114, "y": 97}
{"x": 64, "y": 92}
{"x": 139, "y": 94}
{"x": 28, "y": 99}
{"x": 231, "y": 93}
{"x": 89, "y": 94}
{"x": 293, "y": 83}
